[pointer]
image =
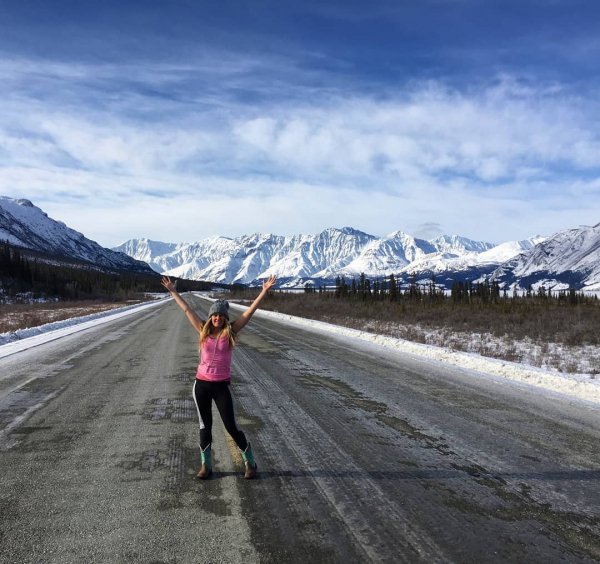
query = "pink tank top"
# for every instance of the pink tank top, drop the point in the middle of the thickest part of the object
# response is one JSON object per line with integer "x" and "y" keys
{"x": 215, "y": 360}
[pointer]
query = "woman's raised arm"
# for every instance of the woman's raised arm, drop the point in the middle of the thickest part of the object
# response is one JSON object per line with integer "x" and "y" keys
{"x": 189, "y": 312}
{"x": 241, "y": 321}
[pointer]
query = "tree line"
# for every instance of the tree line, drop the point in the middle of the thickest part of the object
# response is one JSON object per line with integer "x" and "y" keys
{"x": 22, "y": 273}
{"x": 392, "y": 290}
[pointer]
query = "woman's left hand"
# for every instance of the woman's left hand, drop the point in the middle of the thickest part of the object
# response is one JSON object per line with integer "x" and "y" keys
{"x": 269, "y": 283}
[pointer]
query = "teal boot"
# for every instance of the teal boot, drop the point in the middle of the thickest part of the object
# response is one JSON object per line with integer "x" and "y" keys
{"x": 206, "y": 468}
{"x": 249, "y": 463}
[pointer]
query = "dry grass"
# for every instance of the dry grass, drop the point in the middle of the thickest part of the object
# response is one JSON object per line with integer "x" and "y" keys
{"x": 555, "y": 336}
{"x": 22, "y": 316}
{"x": 520, "y": 320}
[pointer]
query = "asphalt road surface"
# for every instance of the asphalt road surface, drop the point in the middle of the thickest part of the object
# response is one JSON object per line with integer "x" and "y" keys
{"x": 365, "y": 455}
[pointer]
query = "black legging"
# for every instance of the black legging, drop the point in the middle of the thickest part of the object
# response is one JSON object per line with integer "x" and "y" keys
{"x": 204, "y": 393}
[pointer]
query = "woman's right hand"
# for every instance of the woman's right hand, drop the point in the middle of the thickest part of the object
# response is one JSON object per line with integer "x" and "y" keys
{"x": 168, "y": 284}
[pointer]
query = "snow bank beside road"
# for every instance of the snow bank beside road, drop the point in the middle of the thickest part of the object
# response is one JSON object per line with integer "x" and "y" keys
{"x": 23, "y": 339}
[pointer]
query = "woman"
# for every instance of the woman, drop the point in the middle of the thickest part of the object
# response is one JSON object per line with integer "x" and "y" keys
{"x": 213, "y": 376}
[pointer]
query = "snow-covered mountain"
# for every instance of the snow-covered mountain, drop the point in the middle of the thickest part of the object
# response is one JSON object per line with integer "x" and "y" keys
{"x": 324, "y": 256}
{"x": 387, "y": 255}
{"x": 468, "y": 260}
{"x": 455, "y": 245}
{"x": 24, "y": 225}
{"x": 249, "y": 258}
{"x": 570, "y": 258}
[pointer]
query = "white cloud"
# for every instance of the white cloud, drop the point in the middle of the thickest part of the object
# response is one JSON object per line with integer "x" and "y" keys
{"x": 136, "y": 150}
{"x": 433, "y": 133}
{"x": 481, "y": 163}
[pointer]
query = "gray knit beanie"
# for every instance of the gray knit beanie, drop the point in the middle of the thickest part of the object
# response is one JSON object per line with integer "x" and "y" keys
{"x": 221, "y": 307}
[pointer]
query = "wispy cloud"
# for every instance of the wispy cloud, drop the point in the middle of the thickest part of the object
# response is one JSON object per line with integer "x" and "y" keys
{"x": 224, "y": 141}
{"x": 487, "y": 135}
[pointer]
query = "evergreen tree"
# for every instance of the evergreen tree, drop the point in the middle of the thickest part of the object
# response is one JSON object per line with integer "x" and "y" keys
{"x": 393, "y": 288}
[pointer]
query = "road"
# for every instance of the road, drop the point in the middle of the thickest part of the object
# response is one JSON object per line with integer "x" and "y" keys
{"x": 365, "y": 455}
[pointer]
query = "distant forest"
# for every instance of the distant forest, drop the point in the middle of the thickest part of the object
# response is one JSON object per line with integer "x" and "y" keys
{"x": 27, "y": 275}
{"x": 392, "y": 290}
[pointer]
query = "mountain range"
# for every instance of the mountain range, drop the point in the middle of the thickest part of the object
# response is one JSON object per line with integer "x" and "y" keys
{"x": 297, "y": 259}
{"x": 569, "y": 258}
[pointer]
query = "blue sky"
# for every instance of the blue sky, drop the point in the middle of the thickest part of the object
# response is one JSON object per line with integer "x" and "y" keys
{"x": 186, "y": 119}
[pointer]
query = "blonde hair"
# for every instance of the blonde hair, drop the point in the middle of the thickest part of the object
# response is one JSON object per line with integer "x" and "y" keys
{"x": 227, "y": 331}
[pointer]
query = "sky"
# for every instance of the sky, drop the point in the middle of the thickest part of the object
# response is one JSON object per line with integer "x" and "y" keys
{"x": 185, "y": 119}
